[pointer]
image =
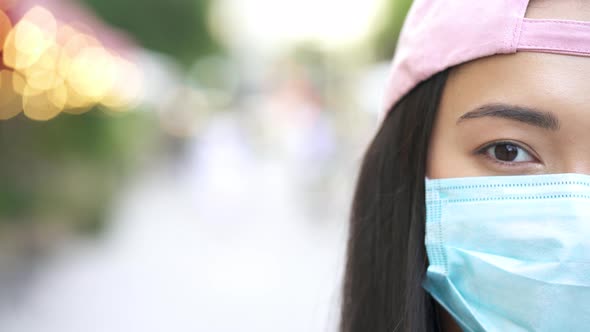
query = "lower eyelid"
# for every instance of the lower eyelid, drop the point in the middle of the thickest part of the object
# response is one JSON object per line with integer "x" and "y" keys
{"x": 499, "y": 167}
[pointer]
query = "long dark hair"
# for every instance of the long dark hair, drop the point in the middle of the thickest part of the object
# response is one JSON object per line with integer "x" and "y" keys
{"x": 386, "y": 259}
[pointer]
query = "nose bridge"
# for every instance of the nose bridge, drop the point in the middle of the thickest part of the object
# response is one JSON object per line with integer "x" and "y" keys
{"x": 574, "y": 136}
{"x": 577, "y": 160}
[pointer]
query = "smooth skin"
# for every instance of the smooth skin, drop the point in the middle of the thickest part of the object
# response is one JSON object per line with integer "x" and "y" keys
{"x": 524, "y": 113}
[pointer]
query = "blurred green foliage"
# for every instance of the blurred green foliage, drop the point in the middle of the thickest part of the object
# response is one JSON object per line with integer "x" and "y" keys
{"x": 387, "y": 35}
{"x": 175, "y": 27}
{"x": 66, "y": 170}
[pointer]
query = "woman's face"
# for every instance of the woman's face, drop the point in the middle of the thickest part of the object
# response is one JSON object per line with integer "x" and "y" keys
{"x": 527, "y": 113}
{"x": 524, "y": 113}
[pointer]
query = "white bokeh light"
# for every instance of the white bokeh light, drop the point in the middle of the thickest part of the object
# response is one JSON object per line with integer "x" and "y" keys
{"x": 272, "y": 24}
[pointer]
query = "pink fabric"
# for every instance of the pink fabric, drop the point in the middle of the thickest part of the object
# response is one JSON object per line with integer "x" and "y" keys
{"x": 559, "y": 36}
{"x": 440, "y": 34}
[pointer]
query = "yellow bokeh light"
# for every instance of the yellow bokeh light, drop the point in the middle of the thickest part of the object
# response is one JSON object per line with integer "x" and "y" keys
{"x": 61, "y": 67}
{"x": 18, "y": 83}
{"x": 126, "y": 88}
{"x": 77, "y": 103}
{"x": 92, "y": 73}
{"x": 33, "y": 35}
{"x": 44, "y": 105}
{"x": 73, "y": 43}
{"x": 10, "y": 99}
{"x": 11, "y": 55}
{"x": 5, "y": 27}
{"x": 30, "y": 39}
{"x": 42, "y": 19}
{"x": 44, "y": 73}
{"x": 58, "y": 96}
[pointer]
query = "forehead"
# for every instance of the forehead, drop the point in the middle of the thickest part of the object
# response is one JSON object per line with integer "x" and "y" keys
{"x": 559, "y": 9}
{"x": 547, "y": 81}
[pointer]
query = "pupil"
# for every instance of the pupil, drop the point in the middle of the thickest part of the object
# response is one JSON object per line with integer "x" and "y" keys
{"x": 506, "y": 152}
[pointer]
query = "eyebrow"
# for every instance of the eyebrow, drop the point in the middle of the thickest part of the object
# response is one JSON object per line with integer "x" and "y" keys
{"x": 531, "y": 116}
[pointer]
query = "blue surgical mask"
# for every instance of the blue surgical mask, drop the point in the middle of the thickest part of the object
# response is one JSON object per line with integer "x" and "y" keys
{"x": 511, "y": 253}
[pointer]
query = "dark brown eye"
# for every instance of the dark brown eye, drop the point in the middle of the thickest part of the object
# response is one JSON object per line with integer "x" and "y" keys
{"x": 508, "y": 152}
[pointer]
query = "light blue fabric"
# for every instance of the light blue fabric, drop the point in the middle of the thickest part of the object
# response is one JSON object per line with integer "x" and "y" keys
{"x": 511, "y": 253}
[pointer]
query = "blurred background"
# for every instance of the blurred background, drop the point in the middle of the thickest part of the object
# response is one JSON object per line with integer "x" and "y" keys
{"x": 183, "y": 165}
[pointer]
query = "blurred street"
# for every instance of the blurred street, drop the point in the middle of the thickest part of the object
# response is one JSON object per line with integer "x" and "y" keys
{"x": 220, "y": 241}
{"x": 183, "y": 166}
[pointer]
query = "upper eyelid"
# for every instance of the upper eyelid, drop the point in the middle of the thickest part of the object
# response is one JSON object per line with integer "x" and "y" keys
{"x": 493, "y": 143}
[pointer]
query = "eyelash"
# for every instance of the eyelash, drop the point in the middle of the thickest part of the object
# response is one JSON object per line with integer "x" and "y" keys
{"x": 483, "y": 152}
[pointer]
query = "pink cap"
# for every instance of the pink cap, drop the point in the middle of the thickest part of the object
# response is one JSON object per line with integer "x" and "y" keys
{"x": 440, "y": 34}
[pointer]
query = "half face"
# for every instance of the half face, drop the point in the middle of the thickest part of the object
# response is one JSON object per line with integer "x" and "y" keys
{"x": 527, "y": 113}
{"x": 524, "y": 113}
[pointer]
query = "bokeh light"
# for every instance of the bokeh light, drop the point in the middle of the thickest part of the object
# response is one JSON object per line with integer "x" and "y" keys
{"x": 242, "y": 22}
{"x": 5, "y": 27}
{"x": 224, "y": 190}
{"x": 63, "y": 68}
{"x": 10, "y": 99}
{"x": 43, "y": 105}
{"x": 125, "y": 90}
